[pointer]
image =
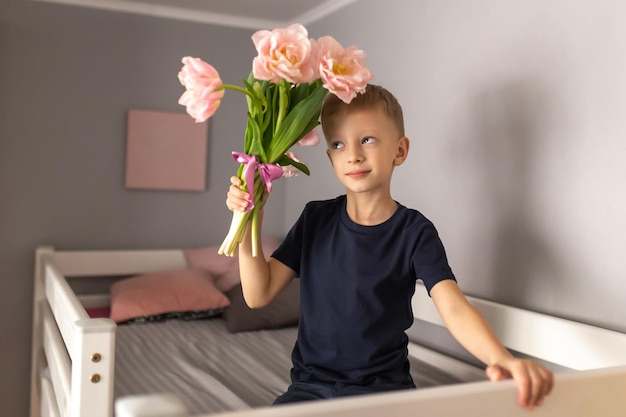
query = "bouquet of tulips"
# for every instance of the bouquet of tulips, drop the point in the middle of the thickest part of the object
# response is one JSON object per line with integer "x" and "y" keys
{"x": 289, "y": 79}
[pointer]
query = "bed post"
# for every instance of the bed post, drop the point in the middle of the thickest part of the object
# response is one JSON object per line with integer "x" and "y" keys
{"x": 39, "y": 296}
{"x": 93, "y": 360}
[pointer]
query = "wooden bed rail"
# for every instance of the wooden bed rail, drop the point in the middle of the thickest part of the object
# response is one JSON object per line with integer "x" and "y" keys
{"x": 65, "y": 307}
{"x": 117, "y": 262}
{"x": 59, "y": 362}
{"x": 60, "y": 317}
{"x": 79, "y": 351}
{"x": 594, "y": 393}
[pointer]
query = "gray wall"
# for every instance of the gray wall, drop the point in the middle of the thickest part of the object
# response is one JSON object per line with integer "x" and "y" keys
{"x": 516, "y": 112}
{"x": 67, "y": 77}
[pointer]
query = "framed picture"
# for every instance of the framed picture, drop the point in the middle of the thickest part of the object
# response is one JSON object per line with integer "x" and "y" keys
{"x": 165, "y": 151}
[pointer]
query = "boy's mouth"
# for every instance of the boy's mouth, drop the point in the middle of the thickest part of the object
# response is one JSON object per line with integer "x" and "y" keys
{"x": 357, "y": 174}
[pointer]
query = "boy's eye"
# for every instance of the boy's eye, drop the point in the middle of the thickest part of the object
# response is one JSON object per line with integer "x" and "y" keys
{"x": 367, "y": 139}
{"x": 336, "y": 145}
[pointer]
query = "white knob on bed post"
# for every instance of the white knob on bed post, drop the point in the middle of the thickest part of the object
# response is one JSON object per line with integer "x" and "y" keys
{"x": 159, "y": 405}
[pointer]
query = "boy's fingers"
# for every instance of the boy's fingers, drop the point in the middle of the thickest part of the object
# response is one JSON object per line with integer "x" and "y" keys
{"x": 236, "y": 204}
{"x": 548, "y": 383}
{"x": 536, "y": 388}
{"x": 236, "y": 198}
{"x": 542, "y": 386}
{"x": 524, "y": 388}
{"x": 534, "y": 383}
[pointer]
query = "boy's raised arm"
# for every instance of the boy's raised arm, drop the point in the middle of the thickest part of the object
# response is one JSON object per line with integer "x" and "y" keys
{"x": 261, "y": 280}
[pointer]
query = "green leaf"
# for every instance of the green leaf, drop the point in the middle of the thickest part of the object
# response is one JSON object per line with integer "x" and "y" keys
{"x": 257, "y": 104}
{"x": 299, "y": 93}
{"x": 285, "y": 161}
{"x": 295, "y": 124}
{"x": 312, "y": 125}
{"x": 256, "y": 144}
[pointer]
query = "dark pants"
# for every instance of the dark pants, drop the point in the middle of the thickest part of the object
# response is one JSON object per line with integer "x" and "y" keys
{"x": 308, "y": 391}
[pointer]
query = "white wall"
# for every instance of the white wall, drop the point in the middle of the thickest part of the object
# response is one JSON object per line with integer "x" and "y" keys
{"x": 516, "y": 112}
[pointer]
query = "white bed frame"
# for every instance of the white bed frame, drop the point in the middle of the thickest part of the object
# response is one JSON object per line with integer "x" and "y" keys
{"x": 73, "y": 356}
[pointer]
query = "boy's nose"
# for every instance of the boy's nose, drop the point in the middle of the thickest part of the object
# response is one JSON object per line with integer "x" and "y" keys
{"x": 355, "y": 155}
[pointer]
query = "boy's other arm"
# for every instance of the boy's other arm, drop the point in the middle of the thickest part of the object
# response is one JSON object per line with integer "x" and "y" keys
{"x": 471, "y": 329}
{"x": 261, "y": 280}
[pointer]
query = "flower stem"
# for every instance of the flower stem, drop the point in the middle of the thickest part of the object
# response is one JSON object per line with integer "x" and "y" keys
{"x": 236, "y": 88}
{"x": 240, "y": 220}
{"x": 255, "y": 231}
{"x": 259, "y": 196}
{"x": 235, "y": 233}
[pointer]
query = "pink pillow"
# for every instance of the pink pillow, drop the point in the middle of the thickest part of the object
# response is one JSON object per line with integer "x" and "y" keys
{"x": 99, "y": 312}
{"x": 165, "y": 292}
{"x": 223, "y": 268}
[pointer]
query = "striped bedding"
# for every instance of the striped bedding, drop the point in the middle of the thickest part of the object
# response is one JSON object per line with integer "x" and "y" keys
{"x": 212, "y": 370}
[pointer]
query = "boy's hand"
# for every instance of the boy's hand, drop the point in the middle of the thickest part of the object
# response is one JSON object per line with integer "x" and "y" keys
{"x": 236, "y": 199}
{"x": 533, "y": 380}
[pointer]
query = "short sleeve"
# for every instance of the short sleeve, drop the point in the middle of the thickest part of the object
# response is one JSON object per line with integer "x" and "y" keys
{"x": 429, "y": 259}
{"x": 290, "y": 250}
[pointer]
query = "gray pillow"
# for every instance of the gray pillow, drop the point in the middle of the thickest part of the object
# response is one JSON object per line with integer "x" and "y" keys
{"x": 282, "y": 312}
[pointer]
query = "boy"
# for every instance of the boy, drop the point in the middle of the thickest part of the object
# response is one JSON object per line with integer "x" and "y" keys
{"x": 357, "y": 257}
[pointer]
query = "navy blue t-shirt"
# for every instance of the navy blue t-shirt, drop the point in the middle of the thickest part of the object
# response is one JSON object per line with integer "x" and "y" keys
{"x": 356, "y": 287}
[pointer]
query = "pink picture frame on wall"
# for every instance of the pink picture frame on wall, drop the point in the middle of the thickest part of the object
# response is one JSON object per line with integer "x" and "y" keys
{"x": 165, "y": 151}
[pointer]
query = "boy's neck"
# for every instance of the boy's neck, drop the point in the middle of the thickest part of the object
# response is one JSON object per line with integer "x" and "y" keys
{"x": 368, "y": 210}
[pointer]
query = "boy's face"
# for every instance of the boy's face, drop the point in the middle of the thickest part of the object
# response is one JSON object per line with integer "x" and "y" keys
{"x": 363, "y": 149}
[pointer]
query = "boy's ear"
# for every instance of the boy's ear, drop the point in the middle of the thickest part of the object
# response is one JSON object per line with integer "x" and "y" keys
{"x": 402, "y": 152}
{"x": 329, "y": 158}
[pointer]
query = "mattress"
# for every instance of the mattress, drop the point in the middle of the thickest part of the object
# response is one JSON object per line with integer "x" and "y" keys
{"x": 212, "y": 370}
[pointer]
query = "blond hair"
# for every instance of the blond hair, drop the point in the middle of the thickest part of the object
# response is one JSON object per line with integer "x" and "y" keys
{"x": 374, "y": 97}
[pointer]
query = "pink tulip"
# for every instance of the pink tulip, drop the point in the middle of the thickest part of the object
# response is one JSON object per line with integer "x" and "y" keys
{"x": 310, "y": 139}
{"x": 284, "y": 54}
{"x": 342, "y": 71}
{"x": 203, "y": 93}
